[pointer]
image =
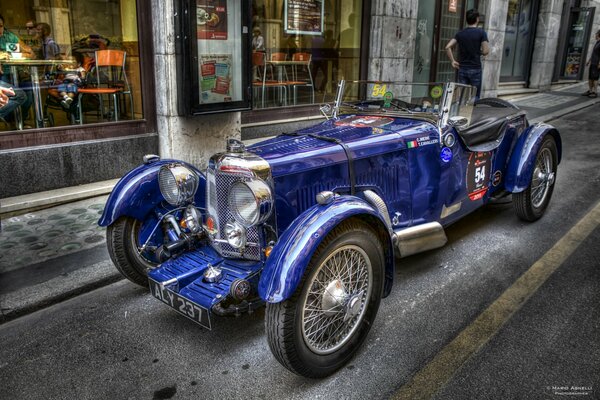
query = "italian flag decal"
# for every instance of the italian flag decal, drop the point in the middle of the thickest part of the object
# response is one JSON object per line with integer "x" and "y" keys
{"x": 412, "y": 144}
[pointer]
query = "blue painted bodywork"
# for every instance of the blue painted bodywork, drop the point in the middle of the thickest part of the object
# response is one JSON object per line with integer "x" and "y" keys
{"x": 522, "y": 160}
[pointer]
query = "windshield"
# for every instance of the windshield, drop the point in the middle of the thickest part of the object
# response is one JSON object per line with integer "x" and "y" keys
{"x": 391, "y": 97}
{"x": 436, "y": 102}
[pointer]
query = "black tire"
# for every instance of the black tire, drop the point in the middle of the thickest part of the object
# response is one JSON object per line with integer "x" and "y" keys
{"x": 531, "y": 203}
{"x": 290, "y": 331}
{"x": 121, "y": 238}
{"x": 495, "y": 102}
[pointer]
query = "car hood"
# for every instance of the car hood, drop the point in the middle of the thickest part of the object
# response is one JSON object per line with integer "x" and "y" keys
{"x": 365, "y": 136}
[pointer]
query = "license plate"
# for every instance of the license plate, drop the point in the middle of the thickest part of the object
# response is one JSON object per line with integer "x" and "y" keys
{"x": 187, "y": 308}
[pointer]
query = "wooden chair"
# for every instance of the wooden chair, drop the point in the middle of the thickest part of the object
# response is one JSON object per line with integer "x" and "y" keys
{"x": 110, "y": 79}
{"x": 260, "y": 82}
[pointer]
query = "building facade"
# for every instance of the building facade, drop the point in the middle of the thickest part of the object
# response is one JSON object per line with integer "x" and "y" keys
{"x": 533, "y": 45}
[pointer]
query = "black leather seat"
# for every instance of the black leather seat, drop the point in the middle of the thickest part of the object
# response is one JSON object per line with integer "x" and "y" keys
{"x": 487, "y": 124}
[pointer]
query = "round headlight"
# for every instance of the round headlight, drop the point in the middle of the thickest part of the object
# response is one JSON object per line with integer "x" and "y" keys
{"x": 251, "y": 202}
{"x": 236, "y": 235}
{"x": 177, "y": 184}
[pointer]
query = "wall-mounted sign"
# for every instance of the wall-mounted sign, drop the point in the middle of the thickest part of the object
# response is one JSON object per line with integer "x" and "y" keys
{"x": 452, "y": 5}
{"x": 303, "y": 17}
{"x": 211, "y": 18}
{"x": 213, "y": 49}
{"x": 215, "y": 78}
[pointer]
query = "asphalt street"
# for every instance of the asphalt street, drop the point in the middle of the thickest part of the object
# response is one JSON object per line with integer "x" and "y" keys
{"x": 119, "y": 342}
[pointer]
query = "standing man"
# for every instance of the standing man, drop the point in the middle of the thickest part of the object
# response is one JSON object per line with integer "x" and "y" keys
{"x": 594, "y": 63}
{"x": 472, "y": 44}
{"x": 50, "y": 49}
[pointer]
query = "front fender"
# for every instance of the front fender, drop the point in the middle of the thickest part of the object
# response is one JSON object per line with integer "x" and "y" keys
{"x": 290, "y": 257}
{"x": 138, "y": 193}
{"x": 522, "y": 160}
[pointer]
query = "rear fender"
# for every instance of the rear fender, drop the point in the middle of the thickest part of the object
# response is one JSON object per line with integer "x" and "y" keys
{"x": 291, "y": 255}
{"x": 137, "y": 193}
{"x": 522, "y": 160}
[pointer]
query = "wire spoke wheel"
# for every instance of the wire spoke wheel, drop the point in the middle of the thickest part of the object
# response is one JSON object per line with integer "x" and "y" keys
{"x": 320, "y": 327}
{"x": 543, "y": 178}
{"x": 531, "y": 203}
{"x": 337, "y": 299}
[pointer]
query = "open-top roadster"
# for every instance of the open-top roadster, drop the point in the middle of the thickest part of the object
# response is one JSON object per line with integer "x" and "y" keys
{"x": 310, "y": 223}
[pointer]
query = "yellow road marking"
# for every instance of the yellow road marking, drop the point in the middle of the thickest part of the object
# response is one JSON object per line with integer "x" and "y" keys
{"x": 429, "y": 380}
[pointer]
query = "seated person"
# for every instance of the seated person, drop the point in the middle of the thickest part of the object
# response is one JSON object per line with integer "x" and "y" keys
{"x": 12, "y": 98}
{"x": 67, "y": 89}
{"x": 69, "y": 81}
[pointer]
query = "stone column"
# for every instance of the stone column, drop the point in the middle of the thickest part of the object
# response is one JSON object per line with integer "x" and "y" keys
{"x": 545, "y": 45}
{"x": 393, "y": 33}
{"x": 192, "y": 139}
{"x": 495, "y": 26}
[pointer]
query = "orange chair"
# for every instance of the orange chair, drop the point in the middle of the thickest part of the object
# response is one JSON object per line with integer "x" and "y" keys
{"x": 260, "y": 81}
{"x": 111, "y": 80}
{"x": 308, "y": 80}
{"x": 278, "y": 56}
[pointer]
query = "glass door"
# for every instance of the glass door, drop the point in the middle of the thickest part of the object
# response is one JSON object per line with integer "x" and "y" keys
{"x": 518, "y": 40}
{"x": 573, "y": 60}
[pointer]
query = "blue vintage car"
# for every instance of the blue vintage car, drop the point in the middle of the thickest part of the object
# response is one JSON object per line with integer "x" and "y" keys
{"x": 310, "y": 223}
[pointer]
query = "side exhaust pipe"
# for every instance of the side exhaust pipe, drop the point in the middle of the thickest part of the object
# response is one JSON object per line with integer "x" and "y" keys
{"x": 417, "y": 239}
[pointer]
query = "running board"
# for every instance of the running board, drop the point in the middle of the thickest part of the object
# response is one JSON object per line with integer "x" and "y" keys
{"x": 417, "y": 239}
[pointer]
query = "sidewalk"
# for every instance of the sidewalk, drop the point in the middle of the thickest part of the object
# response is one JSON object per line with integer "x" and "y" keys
{"x": 56, "y": 253}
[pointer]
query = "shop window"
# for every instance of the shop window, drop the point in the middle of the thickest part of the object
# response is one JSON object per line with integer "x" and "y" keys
{"x": 305, "y": 47}
{"x": 73, "y": 62}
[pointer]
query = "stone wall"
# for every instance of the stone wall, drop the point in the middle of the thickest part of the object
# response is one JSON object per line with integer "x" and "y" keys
{"x": 495, "y": 26}
{"x": 546, "y": 44}
{"x": 37, "y": 169}
{"x": 393, "y": 33}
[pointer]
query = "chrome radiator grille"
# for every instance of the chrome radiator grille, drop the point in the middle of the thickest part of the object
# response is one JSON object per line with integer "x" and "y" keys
{"x": 217, "y": 188}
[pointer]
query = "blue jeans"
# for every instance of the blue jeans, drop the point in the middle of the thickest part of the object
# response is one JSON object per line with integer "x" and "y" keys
{"x": 471, "y": 77}
{"x": 19, "y": 99}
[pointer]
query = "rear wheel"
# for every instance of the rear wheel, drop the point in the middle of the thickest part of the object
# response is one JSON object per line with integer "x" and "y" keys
{"x": 531, "y": 203}
{"x": 318, "y": 330}
{"x": 122, "y": 238}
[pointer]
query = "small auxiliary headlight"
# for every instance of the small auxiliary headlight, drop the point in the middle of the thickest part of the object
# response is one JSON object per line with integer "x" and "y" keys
{"x": 192, "y": 219}
{"x": 236, "y": 235}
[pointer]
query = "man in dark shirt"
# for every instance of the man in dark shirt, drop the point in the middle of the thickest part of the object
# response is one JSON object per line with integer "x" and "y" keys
{"x": 594, "y": 63}
{"x": 472, "y": 44}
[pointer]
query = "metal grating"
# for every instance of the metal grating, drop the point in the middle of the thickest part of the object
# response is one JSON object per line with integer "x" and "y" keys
{"x": 218, "y": 201}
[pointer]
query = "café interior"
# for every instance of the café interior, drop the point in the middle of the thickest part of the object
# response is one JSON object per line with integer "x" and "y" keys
{"x": 69, "y": 62}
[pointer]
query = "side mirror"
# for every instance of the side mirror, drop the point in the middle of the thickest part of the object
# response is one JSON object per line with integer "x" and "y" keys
{"x": 326, "y": 110}
{"x": 458, "y": 122}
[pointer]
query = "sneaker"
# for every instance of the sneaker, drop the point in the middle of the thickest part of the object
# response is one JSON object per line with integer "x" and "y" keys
{"x": 592, "y": 95}
{"x": 66, "y": 103}
{"x": 586, "y": 93}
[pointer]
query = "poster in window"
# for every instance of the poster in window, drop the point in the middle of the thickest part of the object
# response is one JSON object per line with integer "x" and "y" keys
{"x": 215, "y": 78}
{"x": 211, "y": 18}
{"x": 304, "y": 17}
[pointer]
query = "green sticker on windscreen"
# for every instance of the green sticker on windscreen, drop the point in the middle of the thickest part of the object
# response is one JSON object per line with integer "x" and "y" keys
{"x": 387, "y": 99}
{"x": 436, "y": 92}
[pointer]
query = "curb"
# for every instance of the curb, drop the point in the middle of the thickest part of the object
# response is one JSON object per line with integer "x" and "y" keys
{"x": 34, "y": 298}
